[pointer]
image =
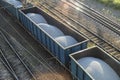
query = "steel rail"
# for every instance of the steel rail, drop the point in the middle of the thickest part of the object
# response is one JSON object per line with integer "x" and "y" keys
{"x": 8, "y": 65}
{"x": 17, "y": 54}
{"x": 71, "y": 25}
{"x": 98, "y": 17}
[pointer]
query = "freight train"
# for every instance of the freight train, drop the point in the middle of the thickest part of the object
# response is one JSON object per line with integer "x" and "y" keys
{"x": 64, "y": 43}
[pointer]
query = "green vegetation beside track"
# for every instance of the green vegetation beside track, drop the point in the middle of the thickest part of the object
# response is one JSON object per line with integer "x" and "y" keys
{"x": 113, "y": 3}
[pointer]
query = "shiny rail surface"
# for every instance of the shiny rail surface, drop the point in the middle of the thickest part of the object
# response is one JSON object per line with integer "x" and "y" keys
{"x": 8, "y": 65}
{"x": 80, "y": 16}
{"x": 97, "y": 15}
{"x": 63, "y": 13}
{"x": 6, "y": 72}
{"x": 14, "y": 60}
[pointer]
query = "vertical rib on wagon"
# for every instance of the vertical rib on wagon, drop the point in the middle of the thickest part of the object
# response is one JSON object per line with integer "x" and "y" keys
{"x": 57, "y": 50}
{"x": 78, "y": 71}
{"x": 11, "y": 9}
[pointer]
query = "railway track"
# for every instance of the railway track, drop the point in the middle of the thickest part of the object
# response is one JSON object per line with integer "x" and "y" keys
{"x": 96, "y": 16}
{"x": 40, "y": 63}
{"x": 54, "y": 11}
{"x": 73, "y": 11}
{"x": 17, "y": 66}
{"x": 39, "y": 67}
{"x": 5, "y": 72}
{"x": 7, "y": 65}
{"x": 102, "y": 21}
{"x": 85, "y": 31}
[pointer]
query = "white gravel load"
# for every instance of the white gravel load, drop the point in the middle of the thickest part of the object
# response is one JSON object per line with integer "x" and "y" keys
{"x": 66, "y": 41}
{"x": 51, "y": 30}
{"x": 37, "y": 18}
{"x": 15, "y": 3}
{"x": 98, "y": 69}
{"x": 9, "y": 1}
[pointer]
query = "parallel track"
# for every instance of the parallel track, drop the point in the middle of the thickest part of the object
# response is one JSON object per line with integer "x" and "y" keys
{"x": 67, "y": 20}
{"x": 34, "y": 63}
{"x": 83, "y": 30}
{"x": 7, "y": 65}
{"x": 108, "y": 22}
{"x": 5, "y": 71}
{"x": 38, "y": 62}
{"x": 16, "y": 64}
{"x": 96, "y": 19}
